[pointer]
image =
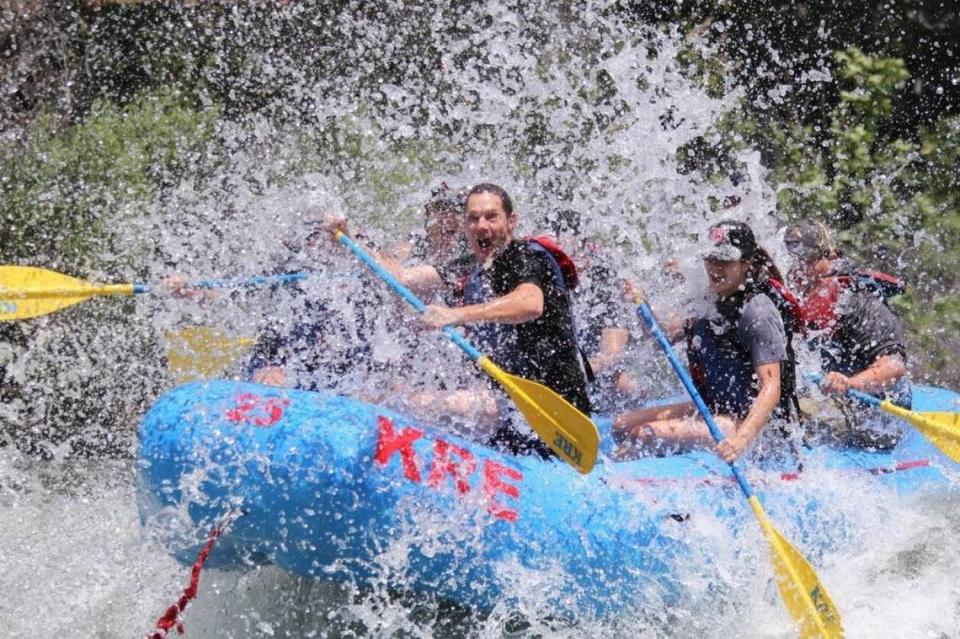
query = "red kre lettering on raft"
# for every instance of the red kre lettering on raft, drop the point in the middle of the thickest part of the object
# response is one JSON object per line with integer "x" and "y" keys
{"x": 257, "y": 410}
{"x": 448, "y": 460}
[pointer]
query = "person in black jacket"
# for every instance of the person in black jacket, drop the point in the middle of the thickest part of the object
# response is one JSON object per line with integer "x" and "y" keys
{"x": 517, "y": 309}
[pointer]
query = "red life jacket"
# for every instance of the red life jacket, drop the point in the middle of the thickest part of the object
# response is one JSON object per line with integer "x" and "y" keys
{"x": 820, "y": 307}
{"x": 569, "y": 270}
{"x": 789, "y": 305}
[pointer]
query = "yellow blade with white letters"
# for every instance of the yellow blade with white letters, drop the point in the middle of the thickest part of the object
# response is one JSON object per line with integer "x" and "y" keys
{"x": 803, "y": 595}
{"x": 564, "y": 428}
{"x": 27, "y": 291}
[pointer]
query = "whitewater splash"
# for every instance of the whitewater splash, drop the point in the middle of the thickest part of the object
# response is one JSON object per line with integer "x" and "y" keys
{"x": 76, "y": 560}
{"x": 566, "y": 110}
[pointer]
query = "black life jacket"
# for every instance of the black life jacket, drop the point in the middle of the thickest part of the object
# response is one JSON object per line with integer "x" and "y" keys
{"x": 720, "y": 364}
{"x": 565, "y": 273}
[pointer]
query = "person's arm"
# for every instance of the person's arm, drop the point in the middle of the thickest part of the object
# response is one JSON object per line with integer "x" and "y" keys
{"x": 522, "y": 304}
{"x": 868, "y": 325}
{"x": 178, "y": 286}
{"x": 475, "y": 403}
{"x": 613, "y": 342}
{"x": 421, "y": 279}
{"x": 768, "y": 397}
{"x": 270, "y": 376}
{"x": 879, "y": 376}
{"x": 761, "y": 329}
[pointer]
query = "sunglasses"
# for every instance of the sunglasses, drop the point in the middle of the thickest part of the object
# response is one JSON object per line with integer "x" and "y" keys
{"x": 802, "y": 250}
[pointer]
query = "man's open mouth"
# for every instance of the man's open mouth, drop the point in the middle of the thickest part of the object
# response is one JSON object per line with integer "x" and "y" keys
{"x": 484, "y": 242}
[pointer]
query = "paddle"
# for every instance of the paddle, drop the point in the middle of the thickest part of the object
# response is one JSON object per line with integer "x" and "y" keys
{"x": 203, "y": 352}
{"x": 566, "y": 430}
{"x": 805, "y": 597}
{"x": 943, "y": 429}
{"x": 27, "y": 291}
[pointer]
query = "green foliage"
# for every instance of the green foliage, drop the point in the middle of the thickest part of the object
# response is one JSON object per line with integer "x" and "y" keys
{"x": 892, "y": 202}
{"x": 874, "y": 80}
{"x": 70, "y": 196}
{"x": 935, "y": 313}
{"x": 708, "y": 71}
{"x": 66, "y": 192}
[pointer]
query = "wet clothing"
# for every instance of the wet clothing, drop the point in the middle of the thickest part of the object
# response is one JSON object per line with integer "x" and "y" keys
{"x": 454, "y": 274}
{"x": 542, "y": 350}
{"x": 748, "y": 329}
{"x": 597, "y": 300}
{"x": 861, "y": 329}
{"x": 453, "y": 271}
{"x": 318, "y": 347}
{"x": 311, "y": 350}
{"x": 598, "y": 306}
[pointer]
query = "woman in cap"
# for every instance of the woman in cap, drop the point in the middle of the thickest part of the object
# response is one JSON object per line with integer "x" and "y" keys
{"x": 740, "y": 356}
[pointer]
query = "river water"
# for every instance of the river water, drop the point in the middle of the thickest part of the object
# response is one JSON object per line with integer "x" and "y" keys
{"x": 604, "y": 108}
{"x": 77, "y": 562}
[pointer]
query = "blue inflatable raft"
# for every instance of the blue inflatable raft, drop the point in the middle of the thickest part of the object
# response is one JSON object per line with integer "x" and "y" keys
{"x": 336, "y": 489}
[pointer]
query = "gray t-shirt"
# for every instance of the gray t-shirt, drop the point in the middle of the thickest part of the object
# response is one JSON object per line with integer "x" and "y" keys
{"x": 866, "y": 330}
{"x": 761, "y": 329}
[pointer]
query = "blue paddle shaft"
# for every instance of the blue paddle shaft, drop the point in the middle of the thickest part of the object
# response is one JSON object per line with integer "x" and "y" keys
{"x": 405, "y": 293}
{"x": 817, "y": 378}
{"x": 644, "y": 311}
{"x": 251, "y": 282}
{"x": 236, "y": 282}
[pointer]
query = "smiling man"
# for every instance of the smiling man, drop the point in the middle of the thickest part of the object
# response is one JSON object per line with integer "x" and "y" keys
{"x": 517, "y": 309}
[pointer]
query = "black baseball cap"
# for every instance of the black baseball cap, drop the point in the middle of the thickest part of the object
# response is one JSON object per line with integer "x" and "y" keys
{"x": 730, "y": 241}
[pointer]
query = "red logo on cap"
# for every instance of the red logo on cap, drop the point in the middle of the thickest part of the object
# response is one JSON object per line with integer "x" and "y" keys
{"x": 718, "y": 234}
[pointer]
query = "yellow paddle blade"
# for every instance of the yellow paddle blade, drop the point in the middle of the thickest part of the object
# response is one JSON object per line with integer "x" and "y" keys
{"x": 806, "y": 598}
{"x": 567, "y": 431}
{"x": 943, "y": 429}
{"x": 27, "y": 291}
{"x": 202, "y": 352}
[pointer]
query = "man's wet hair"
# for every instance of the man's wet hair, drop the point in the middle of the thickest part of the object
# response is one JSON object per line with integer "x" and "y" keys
{"x": 487, "y": 187}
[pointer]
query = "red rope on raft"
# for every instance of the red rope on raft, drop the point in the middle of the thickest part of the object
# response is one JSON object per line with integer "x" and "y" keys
{"x": 171, "y": 618}
{"x": 718, "y": 480}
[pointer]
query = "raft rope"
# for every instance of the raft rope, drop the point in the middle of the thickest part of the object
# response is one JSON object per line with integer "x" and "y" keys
{"x": 718, "y": 480}
{"x": 171, "y": 618}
